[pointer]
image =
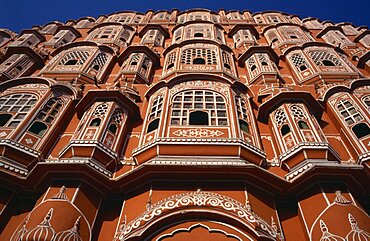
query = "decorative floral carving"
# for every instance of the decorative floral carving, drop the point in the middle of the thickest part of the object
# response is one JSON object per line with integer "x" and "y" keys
{"x": 198, "y": 132}
{"x": 197, "y": 199}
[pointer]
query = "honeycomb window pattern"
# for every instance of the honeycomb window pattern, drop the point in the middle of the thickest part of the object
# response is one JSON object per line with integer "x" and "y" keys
{"x": 297, "y": 112}
{"x": 79, "y": 56}
{"x": 280, "y": 117}
{"x": 101, "y": 110}
{"x": 208, "y": 55}
{"x": 319, "y": 57}
{"x": 299, "y": 62}
{"x": 202, "y": 100}
{"x": 18, "y": 105}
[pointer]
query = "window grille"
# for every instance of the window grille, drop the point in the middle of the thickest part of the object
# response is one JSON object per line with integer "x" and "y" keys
{"x": 156, "y": 109}
{"x": 349, "y": 112}
{"x": 18, "y": 105}
{"x": 297, "y": 112}
{"x": 299, "y": 62}
{"x": 186, "y": 102}
{"x": 319, "y": 57}
{"x": 101, "y": 110}
{"x": 208, "y": 55}
{"x": 99, "y": 61}
{"x": 280, "y": 117}
{"x": 78, "y": 55}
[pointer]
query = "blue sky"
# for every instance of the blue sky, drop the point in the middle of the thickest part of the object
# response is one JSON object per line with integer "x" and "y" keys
{"x": 22, "y": 14}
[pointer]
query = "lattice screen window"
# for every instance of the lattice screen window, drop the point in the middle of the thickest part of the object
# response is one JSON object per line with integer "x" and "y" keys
{"x": 349, "y": 112}
{"x": 145, "y": 67}
{"x": 297, "y": 112}
{"x": 101, "y": 110}
{"x": 220, "y": 35}
{"x": 280, "y": 117}
{"x": 198, "y": 31}
{"x": 106, "y": 33}
{"x": 138, "y": 19}
{"x": 134, "y": 62}
{"x": 366, "y": 40}
{"x": 83, "y": 23}
{"x": 177, "y": 35}
{"x": 156, "y": 109}
{"x": 251, "y": 63}
{"x": 49, "y": 29}
{"x": 198, "y": 16}
{"x": 242, "y": 111}
{"x": 273, "y": 19}
{"x": 199, "y": 56}
{"x": 186, "y": 102}
{"x": 77, "y": 57}
{"x": 171, "y": 59}
{"x": 234, "y": 15}
{"x": 116, "y": 121}
{"x": 162, "y": 16}
{"x": 299, "y": 62}
{"x": 46, "y": 116}
{"x": 16, "y": 65}
{"x": 99, "y": 61}
{"x": 14, "y": 108}
{"x": 272, "y": 37}
{"x": 226, "y": 59}
{"x": 324, "y": 58}
{"x": 125, "y": 35}
{"x": 123, "y": 18}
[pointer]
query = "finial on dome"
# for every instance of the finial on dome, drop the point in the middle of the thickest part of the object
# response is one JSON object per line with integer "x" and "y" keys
{"x": 340, "y": 198}
{"x": 353, "y": 222}
{"x": 78, "y": 223}
{"x": 323, "y": 227}
{"x": 47, "y": 218}
{"x": 61, "y": 194}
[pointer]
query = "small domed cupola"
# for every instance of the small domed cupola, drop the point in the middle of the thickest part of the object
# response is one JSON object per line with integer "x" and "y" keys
{"x": 42, "y": 232}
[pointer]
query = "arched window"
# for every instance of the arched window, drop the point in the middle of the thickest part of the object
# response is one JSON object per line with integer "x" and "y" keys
{"x": 155, "y": 113}
{"x": 303, "y": 125}
{"x": 99, "y": 61}
{"x": 242, "y": 111}
{"x": 16, "y": 105}
{"x": 366, "y": 101}
{"x": 361, "y": 130}
{"x": 208, "y": 102}
{"x": 38, "y": 128}
{"x": 95, "y": 122}
{"x": 285, "y": 129}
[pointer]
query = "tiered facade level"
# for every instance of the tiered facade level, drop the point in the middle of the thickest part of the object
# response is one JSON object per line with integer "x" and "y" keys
{"x": 194, "y": 125}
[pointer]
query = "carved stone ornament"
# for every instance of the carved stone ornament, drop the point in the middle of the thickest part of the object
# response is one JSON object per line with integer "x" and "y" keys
{"x": 198, "y": 132}
{"x": 196, "y": 199}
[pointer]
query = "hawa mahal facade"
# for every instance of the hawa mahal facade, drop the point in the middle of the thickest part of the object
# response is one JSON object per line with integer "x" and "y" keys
{"x": 193, "y": 125}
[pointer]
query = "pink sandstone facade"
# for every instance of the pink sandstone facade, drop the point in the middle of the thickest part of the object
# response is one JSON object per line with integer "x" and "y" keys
{"x": 194, "y": 125}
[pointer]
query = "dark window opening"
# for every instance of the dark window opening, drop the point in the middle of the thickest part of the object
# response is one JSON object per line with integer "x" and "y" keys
{"x": 293, "y": 36}
{"x": 264, "y": 63}
{"x": 253, "y": 67}
{"x": 134, "y": 63}
{"x": 71, "y": 62}
{"x": 244, "y": 126}
{"x": 284, "y": 130}
{"x": 153, "y": 125}
{"x": 170, "y": 66}
{"x": 178, "y": 38}
{"x": 361, "y": 130}
{"x": 274, "y": 40}
{"x": 4, "y": 118}
{"x": 198, "y": 118}
{"x": 227, "y": 66}
{"x": 19, "y": 68}
{"x": 327, "y": 63}
{"x": 104, "y": 36}
{"x": 96, "y": 67}
{"x": 199, "y": 35}
{"x": 95, "y": 122}
{"x": 303, "y": 125}
{"x": 38, "y": 128}
{"x": 199, "y": 61}
{"x": 302, "y": 67}
{"x": 112, "y": 128}
{"x": 145, "y": 67}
